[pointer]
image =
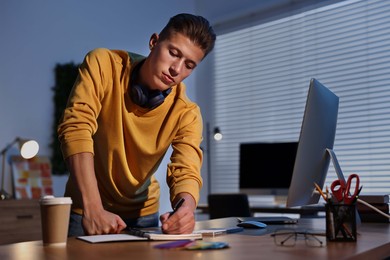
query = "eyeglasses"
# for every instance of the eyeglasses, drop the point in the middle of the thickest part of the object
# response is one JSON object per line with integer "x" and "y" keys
{"x": 288, "y": 237}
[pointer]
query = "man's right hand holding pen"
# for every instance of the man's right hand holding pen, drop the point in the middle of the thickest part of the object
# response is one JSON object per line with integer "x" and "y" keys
{"x": 182, "y": 219}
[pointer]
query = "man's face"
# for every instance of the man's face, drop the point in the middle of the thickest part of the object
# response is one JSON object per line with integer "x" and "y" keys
{"x": 170, "y": 61}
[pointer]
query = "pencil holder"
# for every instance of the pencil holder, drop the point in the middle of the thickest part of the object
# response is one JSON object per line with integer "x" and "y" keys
{"x": 340, "y": 222}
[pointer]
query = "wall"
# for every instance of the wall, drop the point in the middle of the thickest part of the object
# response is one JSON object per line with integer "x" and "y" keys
{"x": 35, "y": 35}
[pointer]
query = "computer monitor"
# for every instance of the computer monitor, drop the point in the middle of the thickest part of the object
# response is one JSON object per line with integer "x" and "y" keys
{"x": 317, "y": 135}
{"x": 266, "y": 168}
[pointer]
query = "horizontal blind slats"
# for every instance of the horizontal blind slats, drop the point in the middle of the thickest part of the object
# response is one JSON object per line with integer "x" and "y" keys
{"x": 262, "y": 75}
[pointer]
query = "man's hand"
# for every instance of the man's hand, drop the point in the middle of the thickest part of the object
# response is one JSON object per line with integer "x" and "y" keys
{"x": 183, "y": 220}
{"x": 102, "y": 222}
{"x": 96, "y": 220}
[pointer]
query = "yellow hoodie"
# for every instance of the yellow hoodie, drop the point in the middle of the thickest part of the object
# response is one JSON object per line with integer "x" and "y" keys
{"x": 128, "y": 141}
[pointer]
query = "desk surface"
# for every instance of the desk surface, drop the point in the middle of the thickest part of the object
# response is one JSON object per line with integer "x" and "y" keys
{"x": 373, "y": 242}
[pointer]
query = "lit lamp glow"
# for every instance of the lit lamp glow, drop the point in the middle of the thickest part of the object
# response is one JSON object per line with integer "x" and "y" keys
{"x": 217, "y": 134}
{"x": 28, "y": 149}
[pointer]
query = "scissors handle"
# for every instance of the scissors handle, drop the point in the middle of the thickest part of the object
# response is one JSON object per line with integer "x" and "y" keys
{"x": 342, "y": 191}
{"x": 349, "y": 197}
{"x": 338, "y": 187}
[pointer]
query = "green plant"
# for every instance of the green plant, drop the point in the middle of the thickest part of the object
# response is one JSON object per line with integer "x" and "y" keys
{"x": 65, "y": 76}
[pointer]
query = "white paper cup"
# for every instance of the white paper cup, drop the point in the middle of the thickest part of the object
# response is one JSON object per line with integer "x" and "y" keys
{"x": 55, "y": 220}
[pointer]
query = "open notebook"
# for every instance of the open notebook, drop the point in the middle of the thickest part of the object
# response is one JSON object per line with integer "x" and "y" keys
{"x": 139, "y": 235}
{"x": 155, "y": 234}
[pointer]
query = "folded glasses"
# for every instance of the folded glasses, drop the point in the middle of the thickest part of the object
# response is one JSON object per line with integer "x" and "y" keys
{"x": 287, "y": 237}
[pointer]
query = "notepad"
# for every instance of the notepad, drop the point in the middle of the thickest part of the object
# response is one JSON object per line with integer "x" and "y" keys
{"x": 111, "y": 238}
{"x": 138, "y": 235}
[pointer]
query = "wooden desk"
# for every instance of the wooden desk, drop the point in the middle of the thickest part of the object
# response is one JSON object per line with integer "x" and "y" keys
{"x": 373, "y": 243}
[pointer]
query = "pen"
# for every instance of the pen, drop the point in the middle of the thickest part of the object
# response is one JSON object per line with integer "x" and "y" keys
{"x": 177, "y": 206}
{"x": 320, "y": 191}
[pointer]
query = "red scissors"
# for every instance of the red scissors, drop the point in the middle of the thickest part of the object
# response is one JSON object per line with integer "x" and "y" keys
{"x": 341, "y": 190}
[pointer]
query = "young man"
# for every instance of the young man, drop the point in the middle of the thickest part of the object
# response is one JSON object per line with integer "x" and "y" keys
{"x": 123, "y": 114}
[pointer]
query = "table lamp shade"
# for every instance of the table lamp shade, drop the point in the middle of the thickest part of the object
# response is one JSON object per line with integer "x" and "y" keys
{"x": 28, "y": 148}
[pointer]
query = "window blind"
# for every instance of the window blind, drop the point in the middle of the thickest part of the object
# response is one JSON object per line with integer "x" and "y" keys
{"x": 262, "y": 75}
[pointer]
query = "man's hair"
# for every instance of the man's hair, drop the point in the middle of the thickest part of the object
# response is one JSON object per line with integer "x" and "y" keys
{"x": 195, "y": 27}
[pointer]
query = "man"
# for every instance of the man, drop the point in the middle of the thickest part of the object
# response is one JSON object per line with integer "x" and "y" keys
{"x": 123, "y": 113}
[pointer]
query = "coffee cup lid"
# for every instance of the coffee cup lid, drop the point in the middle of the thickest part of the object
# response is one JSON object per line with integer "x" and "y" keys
{"x": 51, "y": 200}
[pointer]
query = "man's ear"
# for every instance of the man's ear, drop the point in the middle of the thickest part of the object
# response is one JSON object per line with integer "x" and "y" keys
{"x": 153, "y": 40}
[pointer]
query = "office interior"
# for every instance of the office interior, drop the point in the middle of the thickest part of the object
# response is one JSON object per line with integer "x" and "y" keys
{"x": 37, "y": 35}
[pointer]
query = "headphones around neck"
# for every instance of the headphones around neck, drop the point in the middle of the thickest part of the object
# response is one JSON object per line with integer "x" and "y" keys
{"x": 142, "y": 95}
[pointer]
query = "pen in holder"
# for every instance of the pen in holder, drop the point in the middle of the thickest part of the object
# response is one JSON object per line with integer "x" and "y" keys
{"x": 340, "y": 222}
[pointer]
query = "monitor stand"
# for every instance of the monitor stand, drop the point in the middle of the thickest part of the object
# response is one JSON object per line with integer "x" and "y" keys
{"x": 336, "y": 164}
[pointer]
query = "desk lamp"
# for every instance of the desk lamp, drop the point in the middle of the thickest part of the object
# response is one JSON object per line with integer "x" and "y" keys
{"x": 28, "y": 149}
{"x": 217, "y": 134}
{"x": 217, "y": 137}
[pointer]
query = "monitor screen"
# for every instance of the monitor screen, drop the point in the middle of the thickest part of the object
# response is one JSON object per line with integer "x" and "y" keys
{"x": 317, "y": 134}
{"x": 266, "y": 168}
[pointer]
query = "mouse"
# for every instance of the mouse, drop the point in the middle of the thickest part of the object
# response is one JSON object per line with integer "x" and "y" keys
{"x": 252, "y": 224}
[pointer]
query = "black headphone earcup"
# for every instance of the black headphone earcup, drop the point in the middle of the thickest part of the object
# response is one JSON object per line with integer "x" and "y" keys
{"x": 155, "y": 99}
{"x": 149, "y": 99}
{"x": 139, "y": 95}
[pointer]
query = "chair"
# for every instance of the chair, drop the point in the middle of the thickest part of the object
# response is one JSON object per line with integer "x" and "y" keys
{"x": 228, "y": 205}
